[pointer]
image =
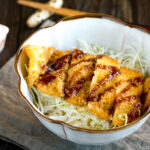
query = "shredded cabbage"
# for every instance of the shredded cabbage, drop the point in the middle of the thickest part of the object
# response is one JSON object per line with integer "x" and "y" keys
{"x": 26, "y": 68}
{"x": 59, "y": 109}
{"x": 128, "y": 57}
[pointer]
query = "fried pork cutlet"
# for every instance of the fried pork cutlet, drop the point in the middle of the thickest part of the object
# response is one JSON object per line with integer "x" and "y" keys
{"x": 52, "y": 82}
{"x": 128, "y": 96}
{"x": 79, "y": 78}
{"x": 146, "y": 91}
{"x": 38, "y": 58}
{"x": 98, "y": 83}
{"x": 102, "y": 90}
{"x": 57, "y": 54}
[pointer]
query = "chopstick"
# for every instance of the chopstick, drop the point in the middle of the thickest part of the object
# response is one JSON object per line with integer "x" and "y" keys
{"x": 59, "y": 11}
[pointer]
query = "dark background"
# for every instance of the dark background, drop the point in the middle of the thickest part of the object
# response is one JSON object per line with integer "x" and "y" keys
{"x": 15, "y": 16}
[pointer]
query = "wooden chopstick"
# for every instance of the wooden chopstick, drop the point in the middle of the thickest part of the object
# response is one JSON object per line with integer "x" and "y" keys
{"x": 60, "y": 11}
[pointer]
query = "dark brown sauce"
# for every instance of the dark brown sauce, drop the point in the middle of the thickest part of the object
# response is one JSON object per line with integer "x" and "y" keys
{"x": 118, "y": 83}
{"x": 144, "y": 95}
{"x": 43, "y": 66}
{"x": 89, "y": 67}
{"x": 125, "y": 89}
{"x": 136, "y": 112}
{"x": 93, "y": 96}
{"x": 74, "y": 89}
{"x": 60, "y": 62}
{"x": 135, "y": 81}
{"x": 70, "y": 90}
{"x": 101, "y": 56}
{"x": 114, "y": 71}
{"x": 78, "y": 54}
{"x": 57, "y": 64}
{"x": 46, "y": 78}
{"x": 128, "y": 98}
{"x": 88, "y": 60}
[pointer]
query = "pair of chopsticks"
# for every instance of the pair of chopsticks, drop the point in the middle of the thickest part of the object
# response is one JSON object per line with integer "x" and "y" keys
{"x": 59, "y": 11}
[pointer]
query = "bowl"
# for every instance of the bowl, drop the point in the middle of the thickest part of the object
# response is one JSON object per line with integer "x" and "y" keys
{"x": 102, "y": 29}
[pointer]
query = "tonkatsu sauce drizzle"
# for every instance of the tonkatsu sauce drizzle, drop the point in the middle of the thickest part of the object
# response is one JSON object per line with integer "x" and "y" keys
{"x": 74, "y": 89}
{"x": 135, "y": 81}
{"x": 88, "y": 60}
{"x": 93, "y": 97}
{"x": 47, "y": 77}
{"x": 113, "y": 72}
{"x": 56, "y": 65}
{"x": 136, "y": 112}
{"x": 78, "y": 54}
{"x": 59, "y": 63}
{"x": 128, "y": 98}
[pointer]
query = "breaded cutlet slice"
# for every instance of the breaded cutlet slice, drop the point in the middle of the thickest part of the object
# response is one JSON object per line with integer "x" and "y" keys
{"x": 52, "y": 81}
{"x": 79, "y": 78}
{"x": 128, "y": 104}
{"x": 57, "y": 54}
{"x": 102, "y": 89}
{"x": 38, "y": 58}
{"x": 146, "y": 90}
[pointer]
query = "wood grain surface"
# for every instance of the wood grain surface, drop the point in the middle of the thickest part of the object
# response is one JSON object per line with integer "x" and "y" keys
{"x": 14, "y": 16}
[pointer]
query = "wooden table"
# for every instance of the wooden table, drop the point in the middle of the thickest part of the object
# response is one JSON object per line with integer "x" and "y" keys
{"x": 14, "y": 16}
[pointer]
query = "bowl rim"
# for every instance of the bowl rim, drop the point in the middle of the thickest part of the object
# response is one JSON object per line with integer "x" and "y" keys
{"x": 88, "y": 15}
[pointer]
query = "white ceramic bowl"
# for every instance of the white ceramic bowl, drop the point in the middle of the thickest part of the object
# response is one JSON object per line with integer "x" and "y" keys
{"x": 92, "y": 28}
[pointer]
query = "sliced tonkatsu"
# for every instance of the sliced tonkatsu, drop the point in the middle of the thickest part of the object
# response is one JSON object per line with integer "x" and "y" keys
{"x": 80, "y": 74}
{"x": 38, "y": 58}
{"x": 57, "y": 54}
{"x": 98, "y": 83}
{"x": 146, "y": 91}
{"x": 128, "y": 104}
{"x": 52, "y": 81}
{"x": 102, "y": 89}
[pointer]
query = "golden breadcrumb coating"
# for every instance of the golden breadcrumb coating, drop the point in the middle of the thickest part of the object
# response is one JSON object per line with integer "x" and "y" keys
{"x": 79, "y": 78}
{"x": 146, "y": 91}
{"x": 128, "y": 96}
{"x": 52, "y": 82}
{"x": 102, "y": 90}
{"x": 98, "y": 83}
{"x": 38, "y": 58}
